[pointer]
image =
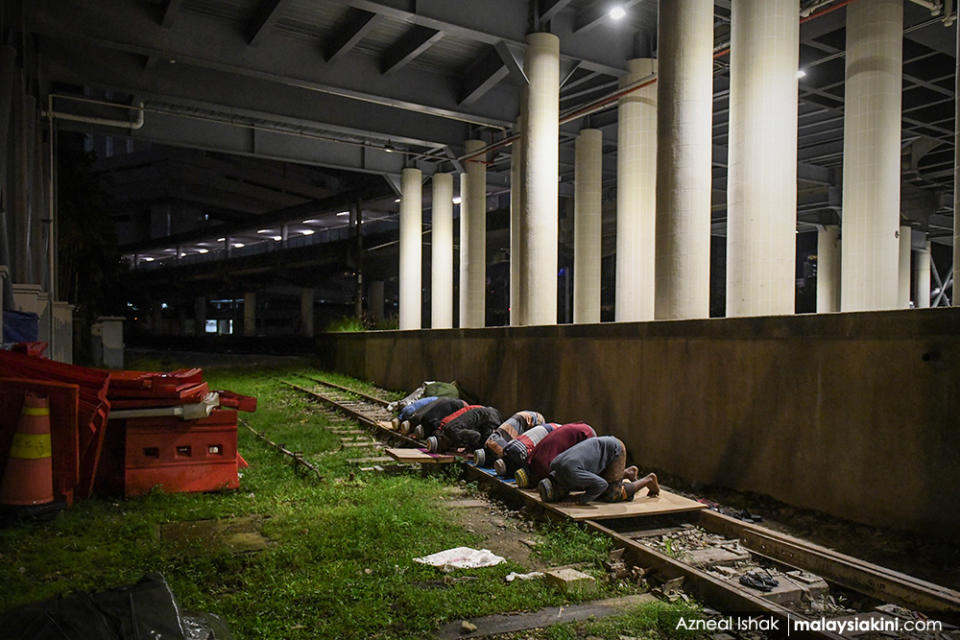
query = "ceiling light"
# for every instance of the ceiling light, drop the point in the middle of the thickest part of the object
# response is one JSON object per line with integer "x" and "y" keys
{"x": 457, "y": 200}
{"x": 238, "y": 245}
{"x": 202, "y": 250}
{"x": 220, "y": 239}
{"x": 263, "y": 230}
{"x": 277, "y": 238}
{"x": 308, "y": 232}
{"x": 801, "y": 73}
{"x": 311, "y": 221}
{"x": 148, "y": 259}
{"x": 344, "y": 213}
{"x": 617, "y": 12}
{"x": 397, "y": 200}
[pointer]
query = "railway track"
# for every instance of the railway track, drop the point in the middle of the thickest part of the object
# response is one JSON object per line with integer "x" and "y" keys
{"x": 830, "y": 576}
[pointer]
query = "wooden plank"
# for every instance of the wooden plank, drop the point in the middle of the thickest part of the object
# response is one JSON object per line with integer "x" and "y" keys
{"x": 666, "y": 502}
{"x": 418, "y": 456}
{"x": 370, "y": 460}
{"x": 510, "y": 623}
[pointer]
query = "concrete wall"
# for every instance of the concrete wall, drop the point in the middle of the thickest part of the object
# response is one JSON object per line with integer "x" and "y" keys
{"x": 853, "y": 414}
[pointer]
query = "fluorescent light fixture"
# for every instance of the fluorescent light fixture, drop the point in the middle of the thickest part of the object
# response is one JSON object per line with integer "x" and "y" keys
{"x": 308, "y": 232}
{"x": 238, "y": 245}
{"x": 397, "y": 200}
{"x": 277, "y": 238}
{"x": 801, "y": 73}
{"x": 263, "y": 230}
{"x": 311, "y": 221}
{"x": 148, "y": 259}
{"x": 220, "y": 239}
{"x": 457, "y": 200}
{"x": 202, "y": 250}
{"x": 343, "y": 213}
{"x": 617, "y": 12}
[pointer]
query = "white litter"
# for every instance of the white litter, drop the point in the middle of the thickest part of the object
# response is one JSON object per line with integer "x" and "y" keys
{"x": 461, "y": 558}
{"x": 513, "y": 575}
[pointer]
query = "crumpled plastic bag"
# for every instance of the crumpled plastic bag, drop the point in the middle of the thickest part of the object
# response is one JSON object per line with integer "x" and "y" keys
{"x": 513, "y": 575}
{"x": 461, "y": 558}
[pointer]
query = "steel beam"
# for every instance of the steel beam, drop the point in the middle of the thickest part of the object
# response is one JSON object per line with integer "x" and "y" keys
{"x": 550, "y": 8}
{"x": 482, "y": 76}
{"x": 215, "y": 45}
{"x": 265, "y": 17}
{"x": 216, "y": 91}
{"x": 491, "y": 21}
{"x": 170, "y": 13}
{"x": 410, "y": 45}
{"x": 349, "y": 34}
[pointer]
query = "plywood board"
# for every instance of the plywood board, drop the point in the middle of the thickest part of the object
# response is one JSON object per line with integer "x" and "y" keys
{"x": 385, "y": 424}
{"x": 666, "y": 502}
{"x": 418, "y": 456}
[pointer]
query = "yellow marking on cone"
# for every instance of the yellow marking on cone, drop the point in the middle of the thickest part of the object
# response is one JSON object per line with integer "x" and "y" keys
{"x": 36, "y": 411}
{"x": 30, "y": 446}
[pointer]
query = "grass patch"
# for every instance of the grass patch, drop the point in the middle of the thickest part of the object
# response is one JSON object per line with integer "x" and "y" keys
{"x": 339, "y": 559}
{"x": 569, "y": 543}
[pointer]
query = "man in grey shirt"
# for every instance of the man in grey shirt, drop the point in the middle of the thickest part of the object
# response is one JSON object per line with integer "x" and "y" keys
{"x": 595, "y": 466}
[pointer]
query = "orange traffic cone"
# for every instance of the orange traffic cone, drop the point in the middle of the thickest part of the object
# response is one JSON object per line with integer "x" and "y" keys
{"x": 28, "y": 477}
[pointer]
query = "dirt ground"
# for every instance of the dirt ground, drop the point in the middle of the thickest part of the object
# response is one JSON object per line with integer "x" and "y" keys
{"x": 502, "y": 530}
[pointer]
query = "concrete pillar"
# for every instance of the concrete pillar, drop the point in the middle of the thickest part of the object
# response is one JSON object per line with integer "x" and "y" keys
{"x": 539, "y": 217}
{"x": 375, "y": 300}
{"x": 306, "y": 313}
{"x": 516, "y": 205}
{"x": 762, "y": 162}
{"x": 586, "y": 226}
{"x": 904, "y": 265}
{"x": 684, "y": 149}
{"x": 473, "y": 239}
{"x": 921, "y": 275}
{"x": 871, "y": 156}
{"x": 956, "y": 181}
{"x": 828, "y": 269}
{"x": 21, "y": 245}
{"x": 636, "y": 195}
{"x": 441, "y": 255}
{"x": 250, "y": 314}
{"x": 200, "y": 315}
{"x": 411, "y": 203}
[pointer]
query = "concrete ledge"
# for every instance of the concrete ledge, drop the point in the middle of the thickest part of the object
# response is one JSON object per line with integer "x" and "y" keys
{"x": 854, "y": 414}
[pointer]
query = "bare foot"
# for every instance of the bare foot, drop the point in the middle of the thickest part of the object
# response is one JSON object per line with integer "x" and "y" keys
{"x": 650, "y": 482}
{"x": 631, "y": 473}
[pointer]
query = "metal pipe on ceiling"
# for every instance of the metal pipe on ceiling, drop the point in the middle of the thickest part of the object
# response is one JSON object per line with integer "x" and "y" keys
{"x": 107, "y": 122}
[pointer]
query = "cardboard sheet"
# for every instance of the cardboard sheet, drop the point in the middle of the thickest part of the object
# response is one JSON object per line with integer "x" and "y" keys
{"x": 666, "y": 502}
{"x": 418, "y": 456}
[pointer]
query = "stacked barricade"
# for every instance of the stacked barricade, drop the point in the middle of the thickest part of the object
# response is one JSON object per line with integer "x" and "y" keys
{"x": 126, "y": 432}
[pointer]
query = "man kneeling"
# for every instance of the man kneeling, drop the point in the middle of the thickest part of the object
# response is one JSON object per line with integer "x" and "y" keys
{"x": 595, "y": 466}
